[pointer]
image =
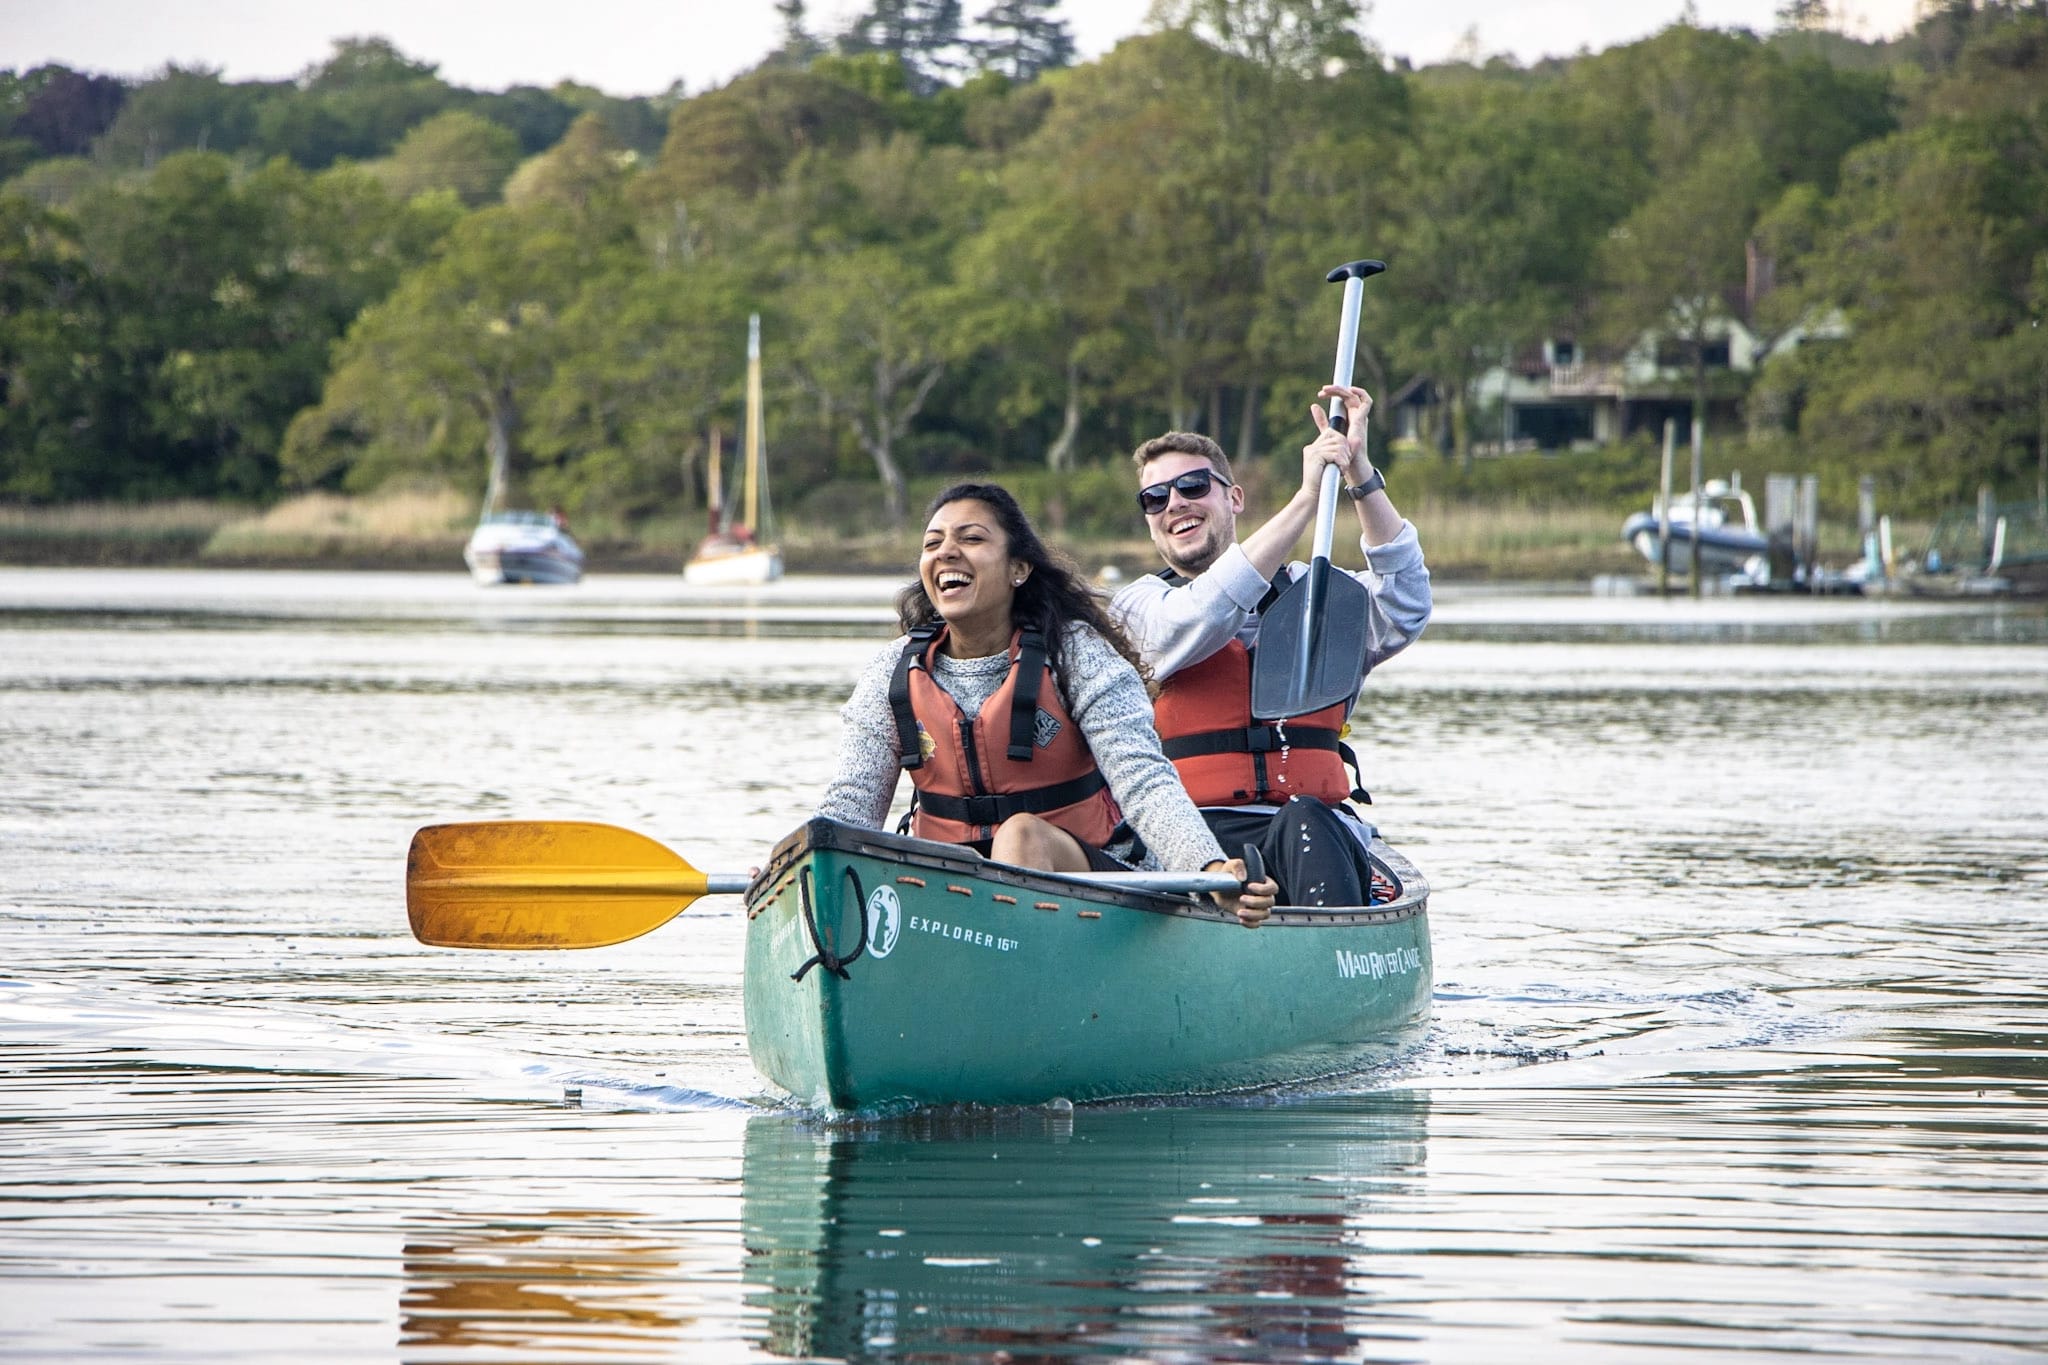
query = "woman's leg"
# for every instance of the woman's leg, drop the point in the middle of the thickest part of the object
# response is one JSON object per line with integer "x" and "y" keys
{"x": 1027, "y": 841}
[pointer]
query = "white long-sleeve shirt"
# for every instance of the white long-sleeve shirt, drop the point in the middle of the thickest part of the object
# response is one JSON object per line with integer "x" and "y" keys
{"x": 1176, "y": 627}
{"x": 1104, "y": 696}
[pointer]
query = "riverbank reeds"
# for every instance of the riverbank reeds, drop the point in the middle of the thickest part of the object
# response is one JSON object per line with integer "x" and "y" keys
{"x": 1488, "y": 539}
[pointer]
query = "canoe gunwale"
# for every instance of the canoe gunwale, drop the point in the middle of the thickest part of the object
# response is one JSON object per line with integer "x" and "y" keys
{"x": 819, "y": 834}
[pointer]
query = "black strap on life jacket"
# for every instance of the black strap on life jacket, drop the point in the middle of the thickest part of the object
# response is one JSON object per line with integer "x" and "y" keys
{"x": 1030, "y": 670}
{"x": 996, "y": 807}
{"x": 1260, "y": 740}
{"x": 1253, "y": 739}
{"x": 912, "y": 752}
{"x": 1175, "y": 579}
{"x": 1024, "y": 700}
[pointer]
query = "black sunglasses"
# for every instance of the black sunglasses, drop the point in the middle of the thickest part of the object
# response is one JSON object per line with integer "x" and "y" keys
{"x": 1193, "y": 485}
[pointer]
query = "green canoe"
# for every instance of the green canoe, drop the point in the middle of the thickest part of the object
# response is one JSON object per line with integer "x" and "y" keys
{"x": 883, "y": 970}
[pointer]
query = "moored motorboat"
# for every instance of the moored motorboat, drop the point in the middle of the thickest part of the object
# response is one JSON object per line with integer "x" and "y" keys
{"x": 522, "y": 547}
{"x": 885, "y": 970}
{"x": 1724, "y": 523}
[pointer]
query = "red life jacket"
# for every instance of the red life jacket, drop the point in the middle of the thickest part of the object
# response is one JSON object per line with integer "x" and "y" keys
{"x": 1023, "y": 754}
{"x": 1225, "y": 758}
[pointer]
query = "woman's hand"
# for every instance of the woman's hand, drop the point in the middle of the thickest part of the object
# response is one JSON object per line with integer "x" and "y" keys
{"x": 1253, "y": 902}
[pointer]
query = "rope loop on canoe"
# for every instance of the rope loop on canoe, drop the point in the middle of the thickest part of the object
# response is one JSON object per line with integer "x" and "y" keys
{"x": 824, "y": 956}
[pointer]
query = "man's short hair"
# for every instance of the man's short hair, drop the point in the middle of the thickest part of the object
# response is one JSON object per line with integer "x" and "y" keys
{"x": 1183, "y": 443}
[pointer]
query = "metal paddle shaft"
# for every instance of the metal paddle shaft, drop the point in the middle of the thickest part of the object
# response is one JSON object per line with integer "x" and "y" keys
{"x": 576, "y": 884}
{"x": 1311, "y": 651}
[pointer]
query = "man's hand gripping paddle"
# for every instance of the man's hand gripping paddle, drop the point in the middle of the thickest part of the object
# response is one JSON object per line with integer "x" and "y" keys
{"x": 1311, "y": 651}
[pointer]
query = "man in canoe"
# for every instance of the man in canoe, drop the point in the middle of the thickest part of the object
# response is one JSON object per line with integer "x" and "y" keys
{"x": 1019, "y": 710}
{"x": 1197, "y": 622}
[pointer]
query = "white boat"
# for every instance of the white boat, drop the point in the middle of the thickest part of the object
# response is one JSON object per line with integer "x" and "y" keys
{"x": 522, "y": 547}
{"x": 723, "y": 561}
{"x": 1730, "y": 540}
{"x": 739, "y": 550}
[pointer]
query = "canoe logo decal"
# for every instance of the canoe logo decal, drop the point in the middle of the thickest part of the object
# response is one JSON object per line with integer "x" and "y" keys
{"x": 1377, "y": 965}
{"x": 885, "y": 921}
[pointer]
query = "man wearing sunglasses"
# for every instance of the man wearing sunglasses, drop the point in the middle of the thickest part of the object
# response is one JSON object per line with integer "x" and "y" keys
{"x": 1196, "y": 623}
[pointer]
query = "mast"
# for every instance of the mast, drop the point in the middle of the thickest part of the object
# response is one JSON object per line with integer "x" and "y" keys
{"x": 753, "y": 455}
{"x": 715, "y": 492}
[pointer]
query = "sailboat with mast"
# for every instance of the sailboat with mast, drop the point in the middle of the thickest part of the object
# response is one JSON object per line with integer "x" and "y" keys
{"x": 739, "y": 549}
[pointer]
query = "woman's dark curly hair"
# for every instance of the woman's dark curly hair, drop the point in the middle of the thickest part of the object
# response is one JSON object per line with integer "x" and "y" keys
{"x": 1054, "y": 594}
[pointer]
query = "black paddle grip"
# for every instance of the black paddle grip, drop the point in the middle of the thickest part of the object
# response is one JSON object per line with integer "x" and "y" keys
{"x": 1254, "y": 865}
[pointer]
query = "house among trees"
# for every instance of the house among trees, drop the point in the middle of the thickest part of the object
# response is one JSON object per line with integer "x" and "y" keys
{"x": 1566, "y": 393}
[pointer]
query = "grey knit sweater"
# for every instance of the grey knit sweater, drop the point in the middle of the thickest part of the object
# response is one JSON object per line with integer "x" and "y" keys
{"x": 1104, "y": 696}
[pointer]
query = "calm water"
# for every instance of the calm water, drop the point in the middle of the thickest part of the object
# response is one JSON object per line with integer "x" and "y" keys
{"x": 1741, "y": 929}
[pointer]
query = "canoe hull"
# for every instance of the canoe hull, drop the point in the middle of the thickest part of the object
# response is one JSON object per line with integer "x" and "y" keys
{"x": 992, "y": 985}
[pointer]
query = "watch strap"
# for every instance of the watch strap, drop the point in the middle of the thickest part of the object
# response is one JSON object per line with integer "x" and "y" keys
{"x": 1374, "y": 482}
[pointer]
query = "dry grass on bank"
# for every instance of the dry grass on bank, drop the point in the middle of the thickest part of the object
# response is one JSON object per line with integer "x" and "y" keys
{"x": 110, "y": 533}
{"x": 327, "y": 526}
{"x": 183, "y": 516}
{"x": 1464, "y": 540}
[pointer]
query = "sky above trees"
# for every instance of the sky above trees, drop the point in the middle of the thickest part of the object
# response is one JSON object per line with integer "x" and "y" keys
{"x": 643, "y": 46}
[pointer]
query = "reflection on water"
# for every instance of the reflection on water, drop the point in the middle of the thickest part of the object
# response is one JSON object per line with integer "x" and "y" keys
{"x": 1740, "y": 920}
{"x": 1140, "y": 1234}
{"x": 566, "y": 1280}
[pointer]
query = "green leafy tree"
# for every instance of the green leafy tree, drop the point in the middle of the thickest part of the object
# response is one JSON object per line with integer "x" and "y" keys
{"x": 538, "y": 118}
{"x": 60, "y": 435}
{"x": 742, "y": 137}
{"x": 653, "y": 357}
{"x": 67, "y": 110}
{"x": 1492, "y": 232}
{"x": 587, "y": 169}
{"x": 1125, "y": 151}
{"x": 358, "y": 103}
{"x": 1035, "y": 301}
{"x": 870, "y": 351}
{"x": 1932, "y": 255}
{"x": 183, "y": 109}
{"x": 444, "y": 370}
{"x": 1300, "y": 38}
{"x": 1670, "y": 265}
{"x": 456, "y": 151}
{"x": 935, "y": 114}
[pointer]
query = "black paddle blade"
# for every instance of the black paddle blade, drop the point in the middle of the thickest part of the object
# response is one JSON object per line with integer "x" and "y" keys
{"x": 1311, "y": 650}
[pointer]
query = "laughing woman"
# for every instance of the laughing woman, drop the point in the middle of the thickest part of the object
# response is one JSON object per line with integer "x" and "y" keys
{"x": 1018, "y": 708}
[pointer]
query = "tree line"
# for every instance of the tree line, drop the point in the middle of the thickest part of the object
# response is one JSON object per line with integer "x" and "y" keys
{"x": 970, "y": 253}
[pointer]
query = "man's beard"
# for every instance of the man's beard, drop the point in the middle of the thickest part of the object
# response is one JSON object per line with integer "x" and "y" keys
{"x": 1209, "y": 551}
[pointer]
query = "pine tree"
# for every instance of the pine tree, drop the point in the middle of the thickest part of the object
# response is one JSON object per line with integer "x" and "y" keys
{"x": 1022, "y": 39}
{"x": 797, "y": 46}
{"x": 923, "y": 34}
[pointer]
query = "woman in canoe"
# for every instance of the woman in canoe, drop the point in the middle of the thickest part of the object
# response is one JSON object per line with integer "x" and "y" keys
{"x": 1021, "y": 713}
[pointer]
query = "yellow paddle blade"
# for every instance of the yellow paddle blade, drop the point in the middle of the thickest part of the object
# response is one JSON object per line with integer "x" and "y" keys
{"x": 542, "y": 884}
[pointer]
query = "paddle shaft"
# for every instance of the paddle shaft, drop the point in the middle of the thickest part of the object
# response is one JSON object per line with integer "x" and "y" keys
{"x": 1326, "y": 502}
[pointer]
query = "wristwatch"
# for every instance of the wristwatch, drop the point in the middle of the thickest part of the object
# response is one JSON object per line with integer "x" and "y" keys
{"x": 1374, "y": 482}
